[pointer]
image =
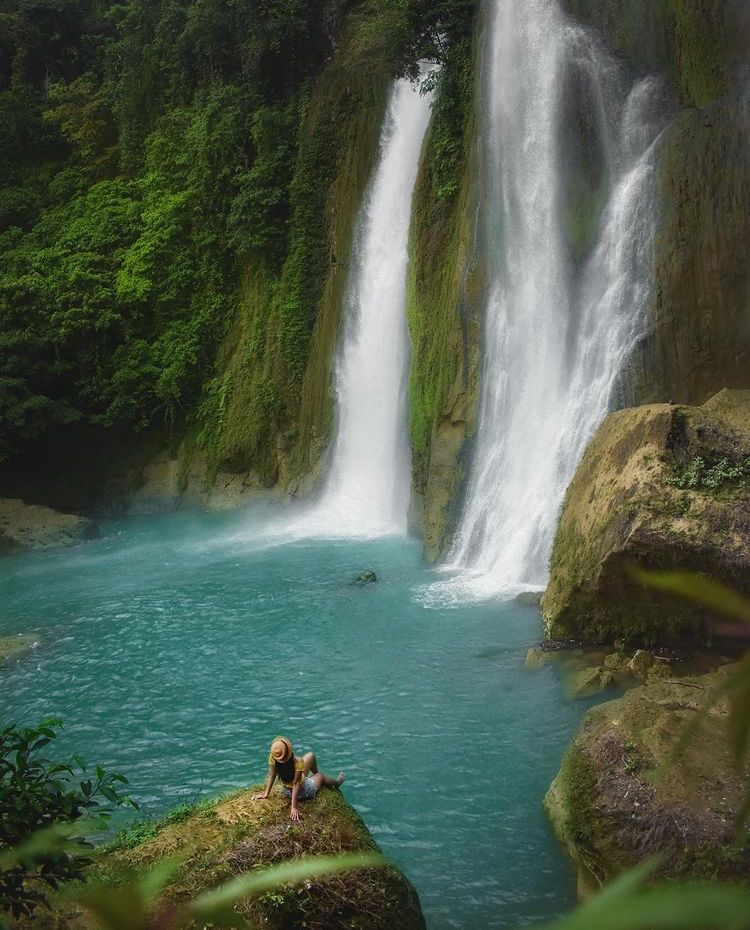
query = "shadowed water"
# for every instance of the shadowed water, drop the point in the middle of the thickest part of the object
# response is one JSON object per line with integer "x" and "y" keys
{"x": 175, "y": 651}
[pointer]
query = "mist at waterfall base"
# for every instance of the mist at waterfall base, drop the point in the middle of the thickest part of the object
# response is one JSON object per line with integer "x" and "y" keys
{"x": 175, "y": 655}
{"x": 570, "y": 141}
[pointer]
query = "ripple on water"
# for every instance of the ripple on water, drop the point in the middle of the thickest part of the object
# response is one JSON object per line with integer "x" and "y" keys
{"x": 175, "y": 657}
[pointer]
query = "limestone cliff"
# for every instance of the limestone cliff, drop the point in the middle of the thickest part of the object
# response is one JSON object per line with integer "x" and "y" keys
{"x": 659, "y": 486}
{"x": 32, "y": 526}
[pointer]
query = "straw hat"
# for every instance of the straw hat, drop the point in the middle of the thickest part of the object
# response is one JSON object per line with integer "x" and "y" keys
{"x": 281, "y": 749}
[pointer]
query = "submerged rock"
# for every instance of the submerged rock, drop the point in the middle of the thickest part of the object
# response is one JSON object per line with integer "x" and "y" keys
{"x": 14, "y": 647}
{"x": 610, "y": 814}
{"x": 235, "y": 835}
{"x": 33, "y": 526}
{"x": 663, "y": 487}
{"x": 588, "y": 681}
{"x": 366, "y": 577}
{"x": 537, "y": 657}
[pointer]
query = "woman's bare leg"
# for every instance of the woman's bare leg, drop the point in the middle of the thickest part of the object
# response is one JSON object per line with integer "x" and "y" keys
{"x": 320, "y": 778}
{"x": 325, "y": 781}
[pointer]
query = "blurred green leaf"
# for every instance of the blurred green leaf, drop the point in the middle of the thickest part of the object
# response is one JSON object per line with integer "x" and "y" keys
{"x": 60, "y": 837}
{"x": 115, "y": 907}
{"x": 699, "y": 589}
{"x": 739, "y": 711}
{"x": 627, "y": 905}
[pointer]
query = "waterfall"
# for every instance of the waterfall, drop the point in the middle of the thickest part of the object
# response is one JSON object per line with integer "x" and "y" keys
{"x": 368, "y": 486}
{"x": 559, "y": 327}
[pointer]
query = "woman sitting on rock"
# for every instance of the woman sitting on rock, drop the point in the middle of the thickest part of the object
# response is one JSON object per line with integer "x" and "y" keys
{"x": 301, "y": 777}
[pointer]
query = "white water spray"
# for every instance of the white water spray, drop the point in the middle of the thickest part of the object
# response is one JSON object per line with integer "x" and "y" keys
{"x": 367, "y": 491}
{"x": 558, "y": 333}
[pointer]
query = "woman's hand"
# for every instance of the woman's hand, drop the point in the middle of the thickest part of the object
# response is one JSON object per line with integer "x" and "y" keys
{"x": 260, "y": 797}
{"x": 295, "y": 814}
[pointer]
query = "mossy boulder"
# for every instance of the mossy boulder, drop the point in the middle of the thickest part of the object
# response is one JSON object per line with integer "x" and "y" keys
{"x": 651, "y": 492}
{"x": 33, "y": 526}
{"x": 235, "y": 835}
{"x": 610, "y": 812}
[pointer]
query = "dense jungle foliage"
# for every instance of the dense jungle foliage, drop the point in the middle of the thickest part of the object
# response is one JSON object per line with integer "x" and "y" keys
{"x": 150, "y": 151}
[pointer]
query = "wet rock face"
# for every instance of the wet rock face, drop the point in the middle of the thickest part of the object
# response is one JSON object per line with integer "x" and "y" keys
{"x": 32, "y": 526}
{"x": 654, "y": 490}
{"x": 699, "y": 315}
{"x": 610, "y": 814}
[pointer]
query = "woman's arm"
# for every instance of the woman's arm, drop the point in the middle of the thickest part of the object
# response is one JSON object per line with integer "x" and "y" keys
{"x": 269, "y": 785}
{"x": 296, "y": 785}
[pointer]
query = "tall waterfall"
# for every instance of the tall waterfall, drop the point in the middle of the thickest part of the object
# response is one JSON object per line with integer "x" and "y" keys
{"x": 368, "y": 486}
{"x": 559, "y": 326}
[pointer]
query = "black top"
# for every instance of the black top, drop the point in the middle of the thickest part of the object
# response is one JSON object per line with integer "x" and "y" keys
{"x": 285, "y": 770}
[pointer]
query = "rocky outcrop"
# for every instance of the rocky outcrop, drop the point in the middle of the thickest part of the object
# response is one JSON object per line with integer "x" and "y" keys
{"x": 236, "y": 835}
{"x": 659, "y": 486}
{"x": 33, "y": 526}
{"x": 610, "y": 811}
{"x": 183, "y": 479}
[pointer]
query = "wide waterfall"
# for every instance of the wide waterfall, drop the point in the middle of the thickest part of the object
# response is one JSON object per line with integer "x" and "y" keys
{"x": 560, "y": 321}
{"x": 367, "y": 489}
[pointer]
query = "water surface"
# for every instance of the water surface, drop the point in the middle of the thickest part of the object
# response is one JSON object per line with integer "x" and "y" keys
{"x": 175, "y": 648}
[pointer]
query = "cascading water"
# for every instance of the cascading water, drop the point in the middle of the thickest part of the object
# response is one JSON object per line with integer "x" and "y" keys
{"x": 559, "y": 326}
{"x": 367, "y": 490}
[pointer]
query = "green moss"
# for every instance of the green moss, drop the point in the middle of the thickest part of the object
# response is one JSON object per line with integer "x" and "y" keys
{"x": 141, "y": 830}
{"x": 583, "y": 210}
{"x": 700, "y": 53}
{"x": 442, "y": 279}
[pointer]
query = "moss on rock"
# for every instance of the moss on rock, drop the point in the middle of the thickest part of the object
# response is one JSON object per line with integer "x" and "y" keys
{"x": 443, "y": 293}
{"x": 34, "y": 526}
{"x": 235, "y": 835}
{"x": 699, "y": 336}
{"x": 697, "y": 43}
{"x": 624, "y": 508}
{"x": 610, "y": 812}
{"x": 699, "y": 339}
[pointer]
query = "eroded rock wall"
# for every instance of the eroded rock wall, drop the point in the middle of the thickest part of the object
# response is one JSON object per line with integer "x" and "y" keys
{"x": 699, "y": 338}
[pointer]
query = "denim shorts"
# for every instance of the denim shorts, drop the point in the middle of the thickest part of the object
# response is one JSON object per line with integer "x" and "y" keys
{"x": 307, "y": 791}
